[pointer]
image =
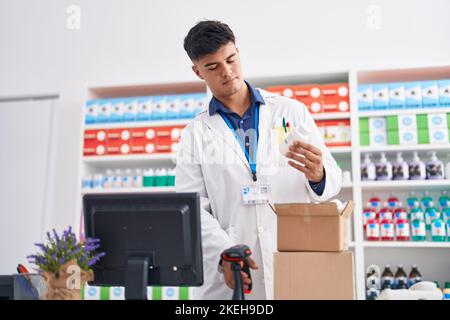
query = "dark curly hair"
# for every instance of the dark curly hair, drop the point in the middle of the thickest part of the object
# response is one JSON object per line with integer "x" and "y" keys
{"x": 206, "y": 37}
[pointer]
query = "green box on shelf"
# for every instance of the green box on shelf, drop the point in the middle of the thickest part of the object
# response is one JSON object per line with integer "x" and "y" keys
{"x": 392, "y": 122}
{"x": 393, "y": 137}
{"x": 363, "y": 125}
{"x": 423, "y": 136}
{"x": 148, "y": 181}
{"x": 117, "y": 293}
{"x": 422, "y": 121}
{"x": 171, "y": 181}
{"x": 364, "y": 139}
{"x": 160, "y": 181}
{"x": 448, "y": 120}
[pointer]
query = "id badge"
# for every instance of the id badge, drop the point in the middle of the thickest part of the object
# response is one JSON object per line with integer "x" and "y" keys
{"x": 255, "y": 194}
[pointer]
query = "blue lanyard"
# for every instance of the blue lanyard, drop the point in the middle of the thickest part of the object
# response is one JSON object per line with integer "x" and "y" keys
{"x": 255, "y": 140}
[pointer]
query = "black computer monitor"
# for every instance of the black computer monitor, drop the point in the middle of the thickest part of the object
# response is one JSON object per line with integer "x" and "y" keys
{"x": 149, "y": 239}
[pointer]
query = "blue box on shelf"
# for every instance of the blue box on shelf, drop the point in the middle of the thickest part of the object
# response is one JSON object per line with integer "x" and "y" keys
{"x": 397, "y": 95}
{"x": 90, "y": 112}
{"x": 159, "y": 107}
{"x": 380, "y": 96}
{"x": 365, "y": 97}
{"x": 130, "y": 109}
{"x": 116, "y": 110}
{"x": 103, "y": 110}
{"x": 173, "y": 107}
{"x": 430, "y": 94}
{"x": 413, "y": 94}
{"x": 444, "y": 92}
{"x": 144, "y": 109}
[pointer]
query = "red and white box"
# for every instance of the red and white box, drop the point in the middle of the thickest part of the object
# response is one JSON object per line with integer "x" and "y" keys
{"x": 335, "y": 97}
{"x": 94, "y": 142}
{"x": 310, "y": 95}
{"x": 119, "y": 134}
{"x": 143, "y": 140}
{"x": 335, "y": 132}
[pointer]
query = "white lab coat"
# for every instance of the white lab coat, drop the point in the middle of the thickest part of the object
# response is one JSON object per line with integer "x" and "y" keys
{"x": 211, "y": 162}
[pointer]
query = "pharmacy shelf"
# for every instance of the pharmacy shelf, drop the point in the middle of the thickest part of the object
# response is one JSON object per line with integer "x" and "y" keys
{"x": 383, "y": 113}
{"x": 407, "y": 185}
{"x": 339, "y": 150}
{"x": 405, "y": 244}
{"x": 347, "y": 186}
{"x": 145, "y": 159}
{"x": 138, "y": 124}
{"x": 401, "y": 148}
{"x": 331, "y": 116}
{"x": 128, "y": 190}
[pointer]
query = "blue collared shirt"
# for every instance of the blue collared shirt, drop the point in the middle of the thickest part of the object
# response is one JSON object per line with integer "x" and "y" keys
{"x": 247, "y": 121}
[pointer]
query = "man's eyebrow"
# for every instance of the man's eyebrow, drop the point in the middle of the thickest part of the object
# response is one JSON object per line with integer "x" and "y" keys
{"x": 211, "y": 63}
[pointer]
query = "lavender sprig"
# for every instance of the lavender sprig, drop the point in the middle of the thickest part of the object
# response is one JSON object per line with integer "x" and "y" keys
{"x": 60, "y": 249}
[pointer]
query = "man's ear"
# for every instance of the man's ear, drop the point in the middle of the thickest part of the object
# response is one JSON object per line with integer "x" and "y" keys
{"x": 197, "y": 72}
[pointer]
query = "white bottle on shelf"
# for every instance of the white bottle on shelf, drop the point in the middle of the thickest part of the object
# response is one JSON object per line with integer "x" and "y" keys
{"x": 447, "y": 171}
{"x": 98, "y": 181}
{"x": 417, "y": 168}
{"x": 108, "y": 179}
{"x": 383, "y": 168}
{"x": 127, "y": 181}
{"x": 87, "y": 182}
{"x": 435, "y": 168}
{"x": 368, "y": 169}
{"x": 137, "y": 178}
{"x": 117, "y": 179}
{"x": 400, "y": 169}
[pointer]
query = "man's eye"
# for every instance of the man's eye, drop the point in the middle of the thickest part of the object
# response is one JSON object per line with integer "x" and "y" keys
{"x": 230, "y": 61}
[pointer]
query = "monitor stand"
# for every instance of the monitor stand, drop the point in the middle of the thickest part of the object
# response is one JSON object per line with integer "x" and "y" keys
{"x": 136, "y": 278}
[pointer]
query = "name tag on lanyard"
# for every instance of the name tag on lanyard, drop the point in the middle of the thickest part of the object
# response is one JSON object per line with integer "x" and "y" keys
{"x": 255, "y": 194}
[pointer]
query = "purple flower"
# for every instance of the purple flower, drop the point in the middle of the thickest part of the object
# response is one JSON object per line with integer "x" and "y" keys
{"x": 56, "y": 235}
{"x": 41, "y": 246}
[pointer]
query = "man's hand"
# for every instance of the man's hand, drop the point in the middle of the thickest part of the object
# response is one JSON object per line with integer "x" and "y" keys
{"x": 309, "y": 160}
{"x": 228, "y": 273}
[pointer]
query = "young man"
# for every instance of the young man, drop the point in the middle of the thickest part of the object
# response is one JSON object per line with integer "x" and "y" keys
{"x": 230, "y": 155}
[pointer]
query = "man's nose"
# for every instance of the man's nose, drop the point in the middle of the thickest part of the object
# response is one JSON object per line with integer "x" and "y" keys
{"x": 226, "y": 71}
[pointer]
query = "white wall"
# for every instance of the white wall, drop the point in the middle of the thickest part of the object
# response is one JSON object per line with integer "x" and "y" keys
{"x": 140, "y": 41}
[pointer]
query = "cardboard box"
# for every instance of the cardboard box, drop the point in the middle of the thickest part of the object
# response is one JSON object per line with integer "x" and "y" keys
{"x": 313, "y": 227}
{"x": 314, "y": 276}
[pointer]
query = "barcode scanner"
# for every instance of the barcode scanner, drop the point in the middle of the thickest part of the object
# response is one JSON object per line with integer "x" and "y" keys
{"x": 235, "y": 255}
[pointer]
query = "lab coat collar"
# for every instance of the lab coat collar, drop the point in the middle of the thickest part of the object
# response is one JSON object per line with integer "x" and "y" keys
{"x": 216, "y": 123}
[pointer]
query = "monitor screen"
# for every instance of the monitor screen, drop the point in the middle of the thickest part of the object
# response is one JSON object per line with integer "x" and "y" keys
{"x": 162, "y": 227}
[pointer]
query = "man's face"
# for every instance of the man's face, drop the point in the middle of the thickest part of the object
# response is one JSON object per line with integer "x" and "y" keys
{"x": 221, "y": 70}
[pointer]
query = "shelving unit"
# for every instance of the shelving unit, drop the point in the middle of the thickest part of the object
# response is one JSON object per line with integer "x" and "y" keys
{"x": 349, "y": 158}
{"x": 96, "y": 164}
{"x": 128, "y": 190}
{"x": 433, "y": 258}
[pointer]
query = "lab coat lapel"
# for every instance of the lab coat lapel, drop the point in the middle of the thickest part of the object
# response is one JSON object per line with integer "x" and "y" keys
{"x": 265, "y": 117}
{"x": 221, "y": 130}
